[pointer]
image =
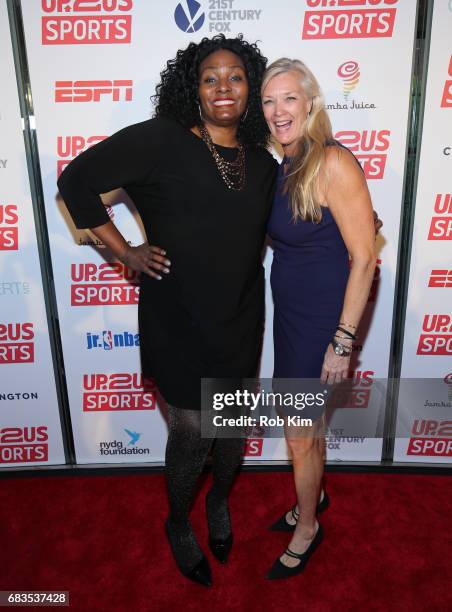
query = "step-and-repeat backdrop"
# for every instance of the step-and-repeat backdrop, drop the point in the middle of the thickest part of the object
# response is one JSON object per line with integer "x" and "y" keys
{"x": 30, "y": 430}
{"x": 93, "y": 66}
{"x": 425, "y": 406}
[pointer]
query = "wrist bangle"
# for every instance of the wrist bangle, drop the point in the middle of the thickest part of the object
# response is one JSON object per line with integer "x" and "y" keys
{"x": 346, "y": 332}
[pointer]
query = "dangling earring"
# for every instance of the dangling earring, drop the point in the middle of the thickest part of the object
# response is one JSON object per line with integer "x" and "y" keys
{"x": 200, "y": 113}
{"x": 243, "y": 117}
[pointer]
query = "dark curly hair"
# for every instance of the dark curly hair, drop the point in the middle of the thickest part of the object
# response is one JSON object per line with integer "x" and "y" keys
{"x": 177, "y": 94}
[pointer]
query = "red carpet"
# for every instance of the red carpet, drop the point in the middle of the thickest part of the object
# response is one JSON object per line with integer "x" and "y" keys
{"x": 388, "y": 544}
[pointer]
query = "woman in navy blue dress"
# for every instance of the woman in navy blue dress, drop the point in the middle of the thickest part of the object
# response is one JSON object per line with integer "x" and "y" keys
{"x": 321, "y": 217}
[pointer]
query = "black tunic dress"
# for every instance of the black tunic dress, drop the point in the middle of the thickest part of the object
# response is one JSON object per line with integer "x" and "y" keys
{"x": 205, "y": 318}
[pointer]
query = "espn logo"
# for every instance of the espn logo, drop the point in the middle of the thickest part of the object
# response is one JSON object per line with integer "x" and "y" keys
{"x": 437, "y": 339}
{"x": 101, "y": 28}
{"x": 370, "y": 147}
{"x": 440, "y": 279}
{"x": 16, "y": 344}
{"x": 112, "y": 392}
{"x": 92, "y": 91}
{"x": 9, "y": 232}
{"x": 349, "y": 21}
{"x": 446, "y": 101}
{"x": 23, "y": 444}
{"x": 354, "y": 392}
{"x": 431, "y": 438}
{"x": 441, "y": 226}
{"x": 106, "y": 284}
{"x": 69, "y": 147}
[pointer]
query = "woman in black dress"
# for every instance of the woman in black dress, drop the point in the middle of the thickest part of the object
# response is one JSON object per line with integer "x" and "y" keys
{"x": 202, "y": 182}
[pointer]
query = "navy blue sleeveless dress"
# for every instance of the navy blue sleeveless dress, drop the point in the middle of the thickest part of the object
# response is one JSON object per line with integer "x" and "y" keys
{"x": 308, "y": 278}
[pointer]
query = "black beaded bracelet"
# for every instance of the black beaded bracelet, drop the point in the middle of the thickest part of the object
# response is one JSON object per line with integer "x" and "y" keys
{"x": 346, "y": 332}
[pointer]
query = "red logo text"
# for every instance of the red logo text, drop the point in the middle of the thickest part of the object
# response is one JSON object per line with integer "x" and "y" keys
{"x": 349, "y": 21}
{"x": 441, "y": 224}
{"x": 9, "y": 232}
{"x": 23, "y": 444}
{"x": 446, "y": 101}
{"x": 253, "y": 447}
{"x": 437, "y": 339}
{"x": 69, "y": 147}
{"x": 16, "y": 344}
{"x": 92, "y": 91}
{"x": 112, "y": 392}
{"x": 106, "y": 284}
{"x": 432, "y": 438}
{"x": 103, "y": 27}
{"x": 369, "y": 147}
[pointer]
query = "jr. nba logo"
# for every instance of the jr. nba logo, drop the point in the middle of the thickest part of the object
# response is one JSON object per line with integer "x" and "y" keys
{"x": 189, "y": 16}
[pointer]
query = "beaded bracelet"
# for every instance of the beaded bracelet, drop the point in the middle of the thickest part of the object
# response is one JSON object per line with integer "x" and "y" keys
{"x": 346, "y": 332}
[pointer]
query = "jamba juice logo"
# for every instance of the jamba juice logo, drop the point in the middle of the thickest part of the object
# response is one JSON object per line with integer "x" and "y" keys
{"x": 349, "y": 73}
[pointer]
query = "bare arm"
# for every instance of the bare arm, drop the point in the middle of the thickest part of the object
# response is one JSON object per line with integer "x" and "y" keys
{"x": 349, "y": 200}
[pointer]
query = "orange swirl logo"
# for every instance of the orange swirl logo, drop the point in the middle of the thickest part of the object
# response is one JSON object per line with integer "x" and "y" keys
{"x": 349, "y": 73}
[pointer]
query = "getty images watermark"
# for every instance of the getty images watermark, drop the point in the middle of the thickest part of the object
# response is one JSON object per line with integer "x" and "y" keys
{"x": 253, "y": 408}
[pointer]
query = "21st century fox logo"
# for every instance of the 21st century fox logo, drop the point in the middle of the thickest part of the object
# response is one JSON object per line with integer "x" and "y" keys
{"x": 86, "y": 22}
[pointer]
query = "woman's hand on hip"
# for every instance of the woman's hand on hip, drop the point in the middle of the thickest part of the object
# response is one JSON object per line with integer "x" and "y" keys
{"x": 147, "y": 258}
{"x": 335, "y": 367}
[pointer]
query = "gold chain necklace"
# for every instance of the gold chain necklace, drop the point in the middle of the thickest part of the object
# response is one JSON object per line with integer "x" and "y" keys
{"x": 232, "y": 173}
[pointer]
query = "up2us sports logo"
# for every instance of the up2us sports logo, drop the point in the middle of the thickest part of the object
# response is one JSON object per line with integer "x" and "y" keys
{"x": 349, "y": 19}
{"x": 436, "y": 338}
{"x": 119, "y": 391}
{"x": 69, "y": 147}
{"x": 17, "y": 343}
{"x": 105, "y": 284}
{"x": 441, "y": 221}
{"x": 86, "y": 22}
{"x": 370, "y": 147}
{"x": 9, "y": 230}
{"x": 446, "y": 100}
{"x": 24, "y": 444}
{"x": 431, "y": 438}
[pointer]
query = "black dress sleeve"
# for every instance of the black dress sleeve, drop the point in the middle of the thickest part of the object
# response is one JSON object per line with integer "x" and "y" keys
{"x": 125, "y": 158}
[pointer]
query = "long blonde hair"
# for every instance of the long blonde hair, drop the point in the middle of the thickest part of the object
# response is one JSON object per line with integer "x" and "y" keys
{"x": 303, "y": 176}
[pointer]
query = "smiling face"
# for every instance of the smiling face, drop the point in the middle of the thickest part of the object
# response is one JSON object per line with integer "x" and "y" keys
{"x": 286, "y": 109}
{"x": 223, "y": 88}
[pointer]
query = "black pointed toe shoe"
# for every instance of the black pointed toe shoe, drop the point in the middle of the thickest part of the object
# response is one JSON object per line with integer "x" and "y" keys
{"x": 220, "y": 547}
{"x": 199, "y": 573}
{"x": 282, "y": 525}
{"x": 279, "y": 570}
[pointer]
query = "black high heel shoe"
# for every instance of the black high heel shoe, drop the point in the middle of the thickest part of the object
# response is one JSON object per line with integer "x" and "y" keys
{"x": 282, "y": 525}
{"x": 220, "y": 548}
{"x": 200, "y": 573}
{"x": 279, "y": 570}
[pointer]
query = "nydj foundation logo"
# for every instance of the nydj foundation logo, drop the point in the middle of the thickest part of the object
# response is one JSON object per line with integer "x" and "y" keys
{"x": 65, "y": 22}
{"x": 190, "y": 15}
{"x": 130, "y": 446}
{"x": 352, "y": 19}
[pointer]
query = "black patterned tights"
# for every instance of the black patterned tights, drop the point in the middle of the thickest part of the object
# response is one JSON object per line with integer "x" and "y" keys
{"x": 186, "y": 454}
